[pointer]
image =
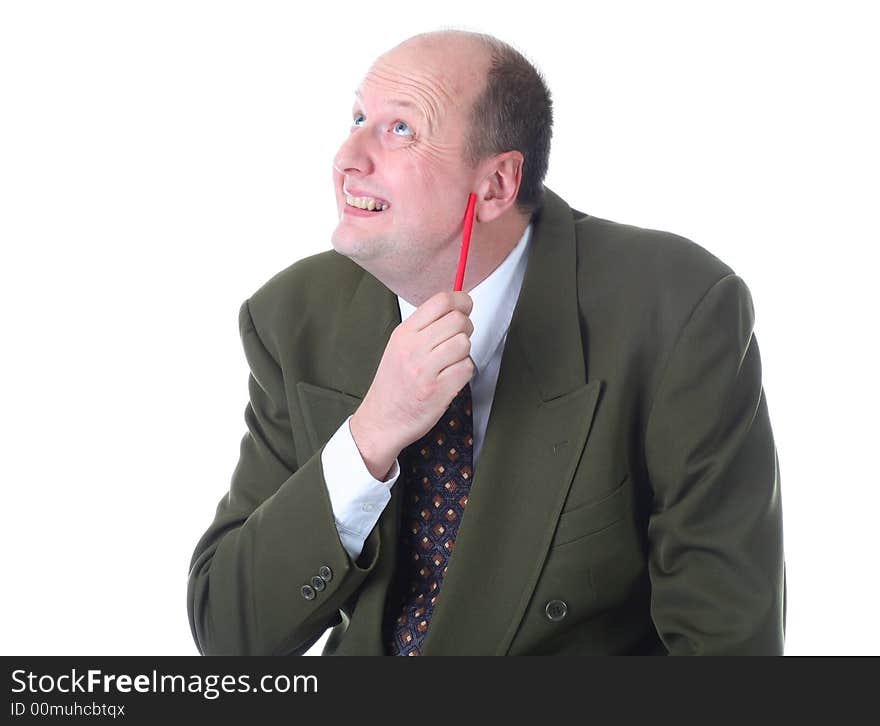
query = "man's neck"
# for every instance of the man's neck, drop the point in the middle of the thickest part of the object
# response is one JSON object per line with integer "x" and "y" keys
{"x": 489, "y": 247}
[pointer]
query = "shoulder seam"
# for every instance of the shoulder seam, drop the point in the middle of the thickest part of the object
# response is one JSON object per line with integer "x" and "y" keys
{"x": 678, "y": 336}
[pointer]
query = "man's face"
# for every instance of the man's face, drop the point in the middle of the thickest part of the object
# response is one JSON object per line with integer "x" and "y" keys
{"x": 405, "y": 146}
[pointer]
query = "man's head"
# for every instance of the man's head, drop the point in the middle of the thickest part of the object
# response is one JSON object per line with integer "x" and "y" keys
{"x": 477, "y": 118}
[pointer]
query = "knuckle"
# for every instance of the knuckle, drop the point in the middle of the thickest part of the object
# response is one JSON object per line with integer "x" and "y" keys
{"x": 400, "y": 332}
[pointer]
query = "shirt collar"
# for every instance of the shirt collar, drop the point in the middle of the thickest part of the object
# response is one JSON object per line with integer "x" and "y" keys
{"x": 494, "y": 300}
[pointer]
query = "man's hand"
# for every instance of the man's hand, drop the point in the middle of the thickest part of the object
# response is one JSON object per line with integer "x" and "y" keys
{"x": 425, "y": 364}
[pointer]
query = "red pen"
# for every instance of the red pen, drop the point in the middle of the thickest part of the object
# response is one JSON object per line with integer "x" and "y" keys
{"x": 465, "y": 241}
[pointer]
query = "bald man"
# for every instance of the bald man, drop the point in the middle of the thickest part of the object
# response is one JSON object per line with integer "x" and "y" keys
{"x": 572, "y": 455}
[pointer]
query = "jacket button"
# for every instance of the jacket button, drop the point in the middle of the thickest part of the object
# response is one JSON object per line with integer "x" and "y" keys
{"x": 308, "y": 592}
{"x": 318, "y": 583}
{"x": 326, "y": 573}
{"x": 556, "y": 609}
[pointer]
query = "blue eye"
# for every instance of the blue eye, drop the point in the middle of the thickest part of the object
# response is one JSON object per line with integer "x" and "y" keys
{"x": 360, "y": 115}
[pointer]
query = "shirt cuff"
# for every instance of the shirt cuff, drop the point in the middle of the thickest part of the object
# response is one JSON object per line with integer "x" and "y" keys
{"x": 357, "y": 497}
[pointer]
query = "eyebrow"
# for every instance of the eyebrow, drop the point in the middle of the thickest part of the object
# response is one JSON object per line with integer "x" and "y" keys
{"x": 396, "y": 102}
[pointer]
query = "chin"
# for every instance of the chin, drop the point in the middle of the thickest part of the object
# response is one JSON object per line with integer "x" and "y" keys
{"x": 356, "y": 248}
{"x": 342, "y": 246}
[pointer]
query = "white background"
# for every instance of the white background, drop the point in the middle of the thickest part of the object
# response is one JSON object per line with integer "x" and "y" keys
{"x": 160, "y": 160}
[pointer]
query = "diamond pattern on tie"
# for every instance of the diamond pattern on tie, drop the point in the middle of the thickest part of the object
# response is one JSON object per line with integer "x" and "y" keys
{"x": 436, "y": 471}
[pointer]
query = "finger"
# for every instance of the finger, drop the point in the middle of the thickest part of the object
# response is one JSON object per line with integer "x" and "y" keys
{"x": 433, "y": 308}
{"x": 449, "y": 352}
{"x": 455, "y": 321}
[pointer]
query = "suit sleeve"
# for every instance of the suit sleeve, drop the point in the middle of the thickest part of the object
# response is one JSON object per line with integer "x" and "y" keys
{"x": 716, "y": 558}
{"x": 273, "y": 532}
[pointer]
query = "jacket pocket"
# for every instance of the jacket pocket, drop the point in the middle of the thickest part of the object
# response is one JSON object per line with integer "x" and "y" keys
{"x": 592, "y": 517}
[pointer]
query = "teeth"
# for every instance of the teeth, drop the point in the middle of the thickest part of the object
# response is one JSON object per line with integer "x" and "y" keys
{"x": 365, "y": 203}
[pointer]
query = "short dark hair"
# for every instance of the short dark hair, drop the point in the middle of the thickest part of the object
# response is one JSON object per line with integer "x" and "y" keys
{"x": 513, "y": 111}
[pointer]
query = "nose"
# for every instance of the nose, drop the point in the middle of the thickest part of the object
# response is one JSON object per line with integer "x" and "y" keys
{"x": 353, "y": 156}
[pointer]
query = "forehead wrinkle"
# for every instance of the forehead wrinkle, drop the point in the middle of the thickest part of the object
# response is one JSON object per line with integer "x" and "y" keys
{"x": 423, "y": 101}
{"x": 402, "y": 103}
{"x": 420, "y": 91}
{"x": 433, "y": 84}
{"x": 418, "y": 105}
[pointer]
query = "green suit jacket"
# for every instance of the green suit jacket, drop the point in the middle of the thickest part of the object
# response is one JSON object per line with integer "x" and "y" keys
{"x": 627, "y": 495}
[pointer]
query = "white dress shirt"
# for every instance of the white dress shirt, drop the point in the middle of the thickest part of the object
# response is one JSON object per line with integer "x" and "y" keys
{"x": 357, "y": 497}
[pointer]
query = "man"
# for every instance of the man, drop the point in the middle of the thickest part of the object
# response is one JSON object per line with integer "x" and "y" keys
{"x": 585, "y": 422}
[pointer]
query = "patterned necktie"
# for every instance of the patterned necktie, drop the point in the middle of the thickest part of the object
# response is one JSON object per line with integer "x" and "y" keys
{"x": 436, "y": 471}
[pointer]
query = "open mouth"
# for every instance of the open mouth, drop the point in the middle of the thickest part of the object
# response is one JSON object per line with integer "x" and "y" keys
{"x": 368, "y": 204}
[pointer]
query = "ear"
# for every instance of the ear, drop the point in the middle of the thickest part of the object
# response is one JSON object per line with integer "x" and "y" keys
{"x": 497, "y": 191}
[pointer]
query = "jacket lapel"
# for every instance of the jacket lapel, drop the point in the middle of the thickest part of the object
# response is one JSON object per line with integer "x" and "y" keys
{"x": 538, "y": 426}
